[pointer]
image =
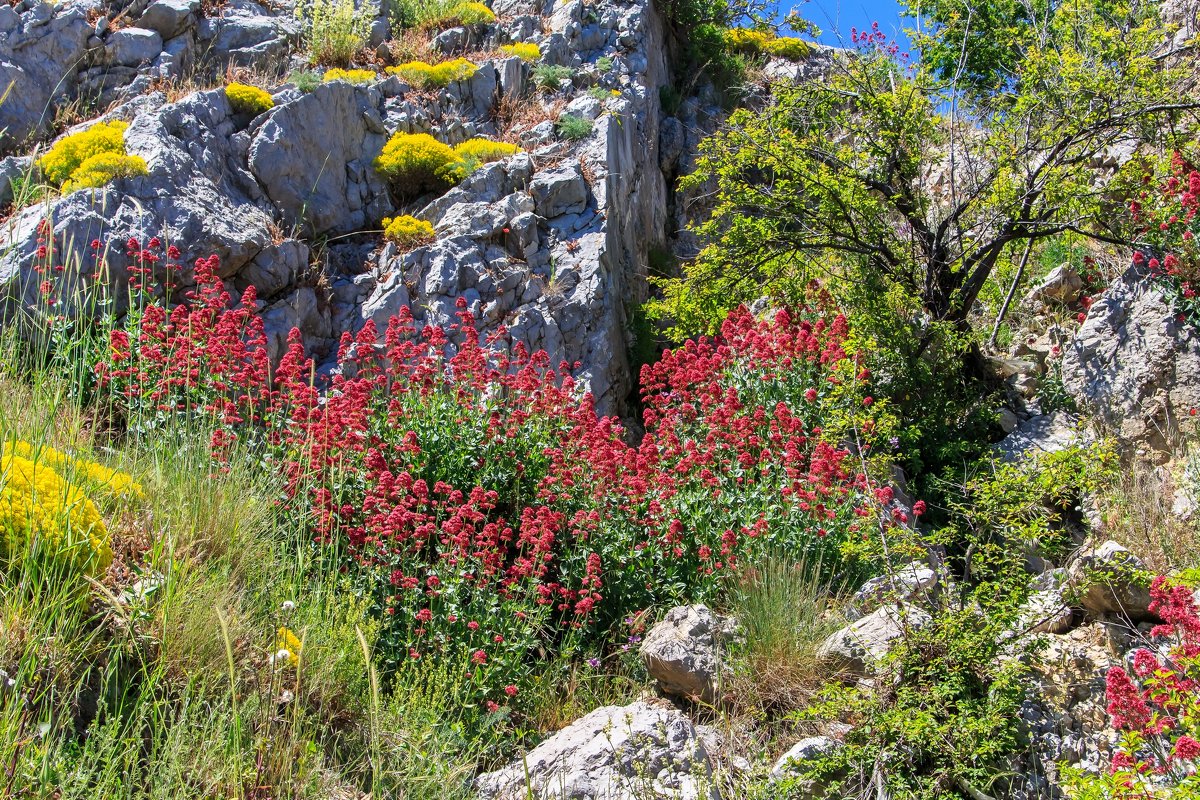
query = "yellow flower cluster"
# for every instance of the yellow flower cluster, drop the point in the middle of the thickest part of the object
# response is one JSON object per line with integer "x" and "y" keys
{"x": 526, "y": 51}
{"x": 406, "y": 231}
{"x": 37, "y": 504}
{"x": 90, "y": 158}
{"x": 416, "y": 162}
{"x": 245, "y": 99}
{"x": 764, "y": 43}
{"x": 484, "y": 151}
{"x": 472, "y": 14}
{"x": 97, "y": 476}
{"x": 288, "y": 646}
{"x": 100, "y": 170}
{"x": 350, "y": 75}
{"x": 425, "y": 76}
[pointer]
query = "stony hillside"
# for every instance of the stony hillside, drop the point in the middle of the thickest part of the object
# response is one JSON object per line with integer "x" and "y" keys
{"x": 606, "y": 400}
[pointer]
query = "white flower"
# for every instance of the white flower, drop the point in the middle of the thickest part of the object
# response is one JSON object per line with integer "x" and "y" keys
{"x": 282, "y": 656}
{"x": 288, "y": 607}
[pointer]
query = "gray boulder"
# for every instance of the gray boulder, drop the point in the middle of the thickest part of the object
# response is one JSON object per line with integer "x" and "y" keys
{"x": 130, "y": 47}
{"x": 614, "y": 753}
{"x": 169, "y": 17}
{"x": 1134, "y": 365}
{"x": 313, "y": 159}
{"x": 859, "y": 647}
{"x": 559, "y": 191}
{"x": 1061, "y": 285}
{"x": 793, "y": 762}
{"x": 1043, "y": 434}
{"x": 685, "y": 652}
{"x": 1108, "y": 579}
{"x": 912, "y": 583}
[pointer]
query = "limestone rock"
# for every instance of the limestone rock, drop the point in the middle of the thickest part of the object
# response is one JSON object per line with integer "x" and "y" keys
{"x": 1134, "y": 366}
{"x": 169, "y": 17}
{"x": 313, "y": 159}
{"x": 914, "y": 583}
{"x": 1061, "y": 285}
{"x": 614, "y": 753}
{"x": 793, "y": 761}
{"x": 130, "y": 47}
{"x": 559, "y": 191}
{"x": 685, "y": 652}
{"x": 1046, "y": 433}
{"x": 860, "y": 646}
{"x": 1110, "y": 580}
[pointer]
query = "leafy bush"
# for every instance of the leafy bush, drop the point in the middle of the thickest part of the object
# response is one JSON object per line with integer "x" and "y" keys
{"x": 526, "y": 51}
{"x": 416, "y": 162}
{"x": 424, "y": 76}
{"x": 406, "y": 231}
{"x": 573, "y": 127}
{"x": 250, "y": 100}
{"x": 336, "y": 30}
{"x": 549, "y": 77}
{"x": 305, "y": 80}
{"x": 62, "y": 160}
{"x": 40, "y": 507}
{"x": 103, "y": 168}
{"x": 350, "y": 75}
{"x": 482, "y": 509}
{"x": 604, "y": 63}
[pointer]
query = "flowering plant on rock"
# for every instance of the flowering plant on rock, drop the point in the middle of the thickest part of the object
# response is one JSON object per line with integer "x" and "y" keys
{"x": 470, "y": 494}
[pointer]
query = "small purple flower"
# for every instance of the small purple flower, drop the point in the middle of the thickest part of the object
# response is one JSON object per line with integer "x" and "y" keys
{"x": 894, "y": 442}
{"x": 593, "y": 662}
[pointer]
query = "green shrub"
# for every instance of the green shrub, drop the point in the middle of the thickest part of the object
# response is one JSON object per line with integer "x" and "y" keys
{"x": 604, "y": 63}
{"x": 549, "y": 77}
{"x": 69, "y": 153}
{"x": 424, "y": 76}
{"x": 305, "y": 80}
{"x": 336, "y": 30}
{"x": 573, "y": 128}
{"x": 245, "y": 99}
{"x": 407, "y": 231}
{"x": 350, "y": 75}
{"x": 416, "y": 162}
{"x": 526, "y": 51}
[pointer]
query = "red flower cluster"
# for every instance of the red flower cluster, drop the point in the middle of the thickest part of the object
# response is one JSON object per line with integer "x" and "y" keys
{"x": 1169, "y": 226}
{"x": 481, "y": 504}
{"x": 1158, "y": 707}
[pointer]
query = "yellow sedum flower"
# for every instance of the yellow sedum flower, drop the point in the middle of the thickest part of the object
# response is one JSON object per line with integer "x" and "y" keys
{"x": 485, "y": 151}
{"x": 109, "y": 481}
{"x": 764, "y": 43}
{"x": 246, "y": 99}
{"x": 103, "y": 168}
{"x": 69, "y": 153}
{"x": 425, "y": 76}
{"x": 472, "y": 14}
{"x": 350, "y": 75}
{"x": 406, "y": 231}
{"x": 526, "y": 51}
{"x": 416, "y": 162}
{"x": 37, "y": 504}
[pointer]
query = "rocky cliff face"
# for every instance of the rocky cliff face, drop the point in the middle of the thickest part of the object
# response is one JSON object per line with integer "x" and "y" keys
{"x": 551, "y": 245}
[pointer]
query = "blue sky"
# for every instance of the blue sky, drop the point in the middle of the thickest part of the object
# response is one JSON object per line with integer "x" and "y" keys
{"x": 836, "y": 17}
